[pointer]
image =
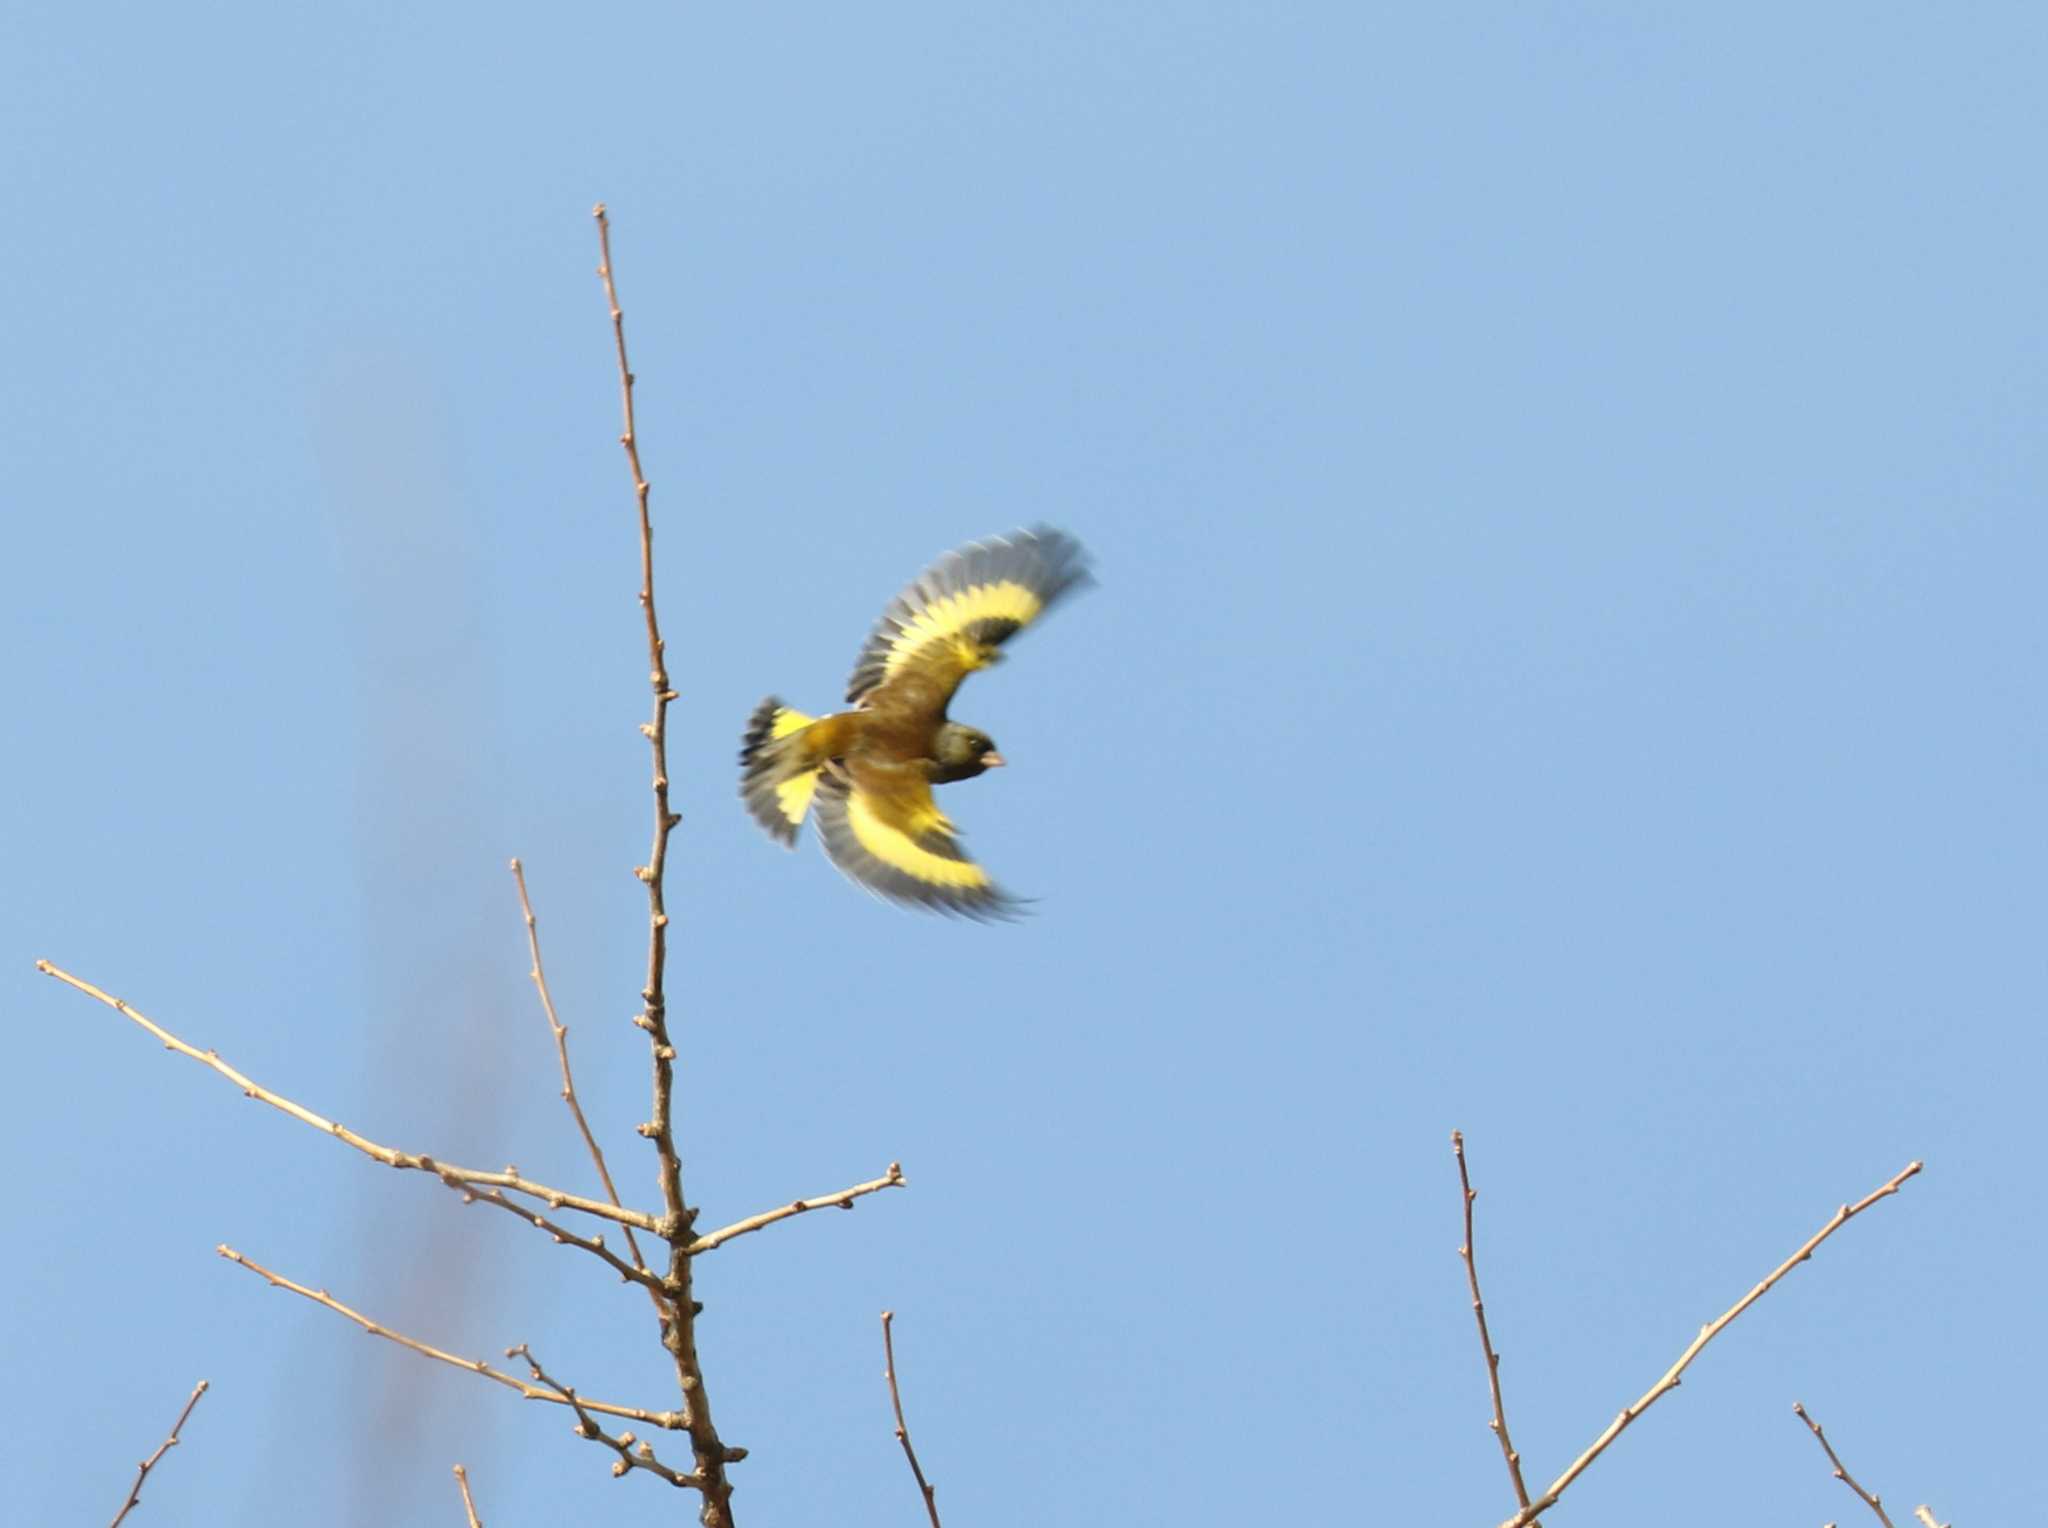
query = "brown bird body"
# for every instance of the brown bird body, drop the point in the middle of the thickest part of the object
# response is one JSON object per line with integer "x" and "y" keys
{"x": 869, "y": 772}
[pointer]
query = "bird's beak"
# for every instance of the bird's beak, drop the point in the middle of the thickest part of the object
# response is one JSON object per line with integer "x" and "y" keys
{"x": 993, "y": 760}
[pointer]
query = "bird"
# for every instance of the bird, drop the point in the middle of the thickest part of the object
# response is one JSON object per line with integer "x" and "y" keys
{"x": 867, "y": 773}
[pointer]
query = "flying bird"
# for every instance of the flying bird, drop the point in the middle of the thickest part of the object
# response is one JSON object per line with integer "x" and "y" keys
{"x": 868, "y": 773}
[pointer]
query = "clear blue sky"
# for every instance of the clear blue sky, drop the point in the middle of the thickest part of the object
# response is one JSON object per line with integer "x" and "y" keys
{"x": 1567, "y": 489}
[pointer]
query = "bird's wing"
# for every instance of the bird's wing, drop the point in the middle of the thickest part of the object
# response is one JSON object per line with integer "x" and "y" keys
{"x": 954, "y": 615}
{"x": 881, "y": 828}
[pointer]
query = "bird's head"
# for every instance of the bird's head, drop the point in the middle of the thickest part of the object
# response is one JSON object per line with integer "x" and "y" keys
{"x": 962, "y": 752}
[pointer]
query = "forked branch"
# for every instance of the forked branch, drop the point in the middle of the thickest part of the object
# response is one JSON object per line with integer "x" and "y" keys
{"x": 634, "y": 1454}
{"x": 1671, "y": 1376}
{"x": 561, "y": 1235}
{"x": 560, "y": 1031}
{"x": 674, "y": 1421}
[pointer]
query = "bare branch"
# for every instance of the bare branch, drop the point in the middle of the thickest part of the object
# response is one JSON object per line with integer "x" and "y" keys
{"x": 1842, "y": 1474}
{"x": 561, "y": 1033}
{"x": 1670, "y": 1379}
{"x": 654, "y": 1012}
{"x": 674, "y": 1421}
{"x": 562, "y": 1235}
{"x": 1500, "y": 1416}
{"x": 389, "y": 1156}
{"x": 633, "y": 1455}
{"x": 931, "y": 1505}
{"x": 468, "y": 1503}
{"x": 679, "y": 1328}
{"x": 142, "y": 1470}
{"x": 893, "y": 1178}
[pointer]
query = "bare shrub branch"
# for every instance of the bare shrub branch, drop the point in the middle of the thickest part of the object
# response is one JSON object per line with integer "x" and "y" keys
{"x": 391, "y": 1157}
{"x": 893, "y": 1178}
{"x": 1868, "y": 1498}
{"x": 170, "y": 1442}
{"x": 633, "y": 1454}
{"x": 560, "y": 1031}
{"x": 654, "y": 1011}
{"x": 673, "y": 1421}
{"x": 468, "y": 1502}
{"x": 679, "y": 1326}
{"x": 1499, "y": 1424}
{"x": 629, "y": 1272}
{"x": 931, "y": 1505}
{"x": 1670, "y": 1379}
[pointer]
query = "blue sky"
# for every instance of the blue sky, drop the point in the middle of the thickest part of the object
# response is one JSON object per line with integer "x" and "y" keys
{"x": 1567, "y": 494}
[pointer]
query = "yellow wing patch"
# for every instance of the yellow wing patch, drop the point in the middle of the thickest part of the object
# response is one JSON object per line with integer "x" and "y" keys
{"x": 775, "y": 781}
{"x": 893, "y": 846}
{"x": 966, "y": 605}
{"x": 793, "y": 796}
{"x": 951, "y": 620}
{"x": 784, "y": 721}
{"x": 904, "y": 850}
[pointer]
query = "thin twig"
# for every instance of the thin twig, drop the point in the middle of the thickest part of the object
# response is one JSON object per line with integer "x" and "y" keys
{"x": 468, "y": 1503}
{"x": 1868, "y": 1498}
{"x": 389, "y": 1156}
{"x": 142, "y": 1470}
{"x": 931, "y": 1505}
{"x": 633, "y": 1454}
{"x": 679, "y": 1329}
{"x": 1500, "y": 1416}
{"x": 893, "y": 1178}
{"x": 674, "y": 1421}
{"x": 1669, "y": 1380}
{"x": 561, "y": 1033}
{"x": 562, "y": 1235}
{"x": 1926, "y": 1515}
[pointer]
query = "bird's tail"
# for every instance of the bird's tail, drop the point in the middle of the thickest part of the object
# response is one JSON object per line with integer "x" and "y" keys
{"x": 778, "y": 775}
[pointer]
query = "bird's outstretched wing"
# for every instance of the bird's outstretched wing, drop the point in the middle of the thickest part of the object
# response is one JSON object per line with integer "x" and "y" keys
{"x": 882, "y": 829}
{"x": 954, "y": 615}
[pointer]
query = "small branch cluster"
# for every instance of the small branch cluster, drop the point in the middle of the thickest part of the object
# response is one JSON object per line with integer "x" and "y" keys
{"x": 632, "y": 1455}
{"x": 493, "y": 1188}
